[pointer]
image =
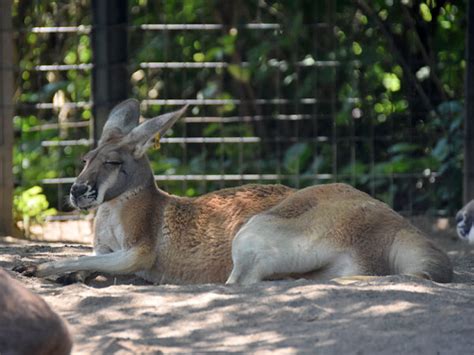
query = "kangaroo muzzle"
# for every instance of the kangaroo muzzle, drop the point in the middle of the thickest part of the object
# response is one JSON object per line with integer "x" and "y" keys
{"x": 83, "y": 196}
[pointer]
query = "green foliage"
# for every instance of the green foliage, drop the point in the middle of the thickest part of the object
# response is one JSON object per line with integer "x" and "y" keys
{"x": 368, "y": 126}
{"x": 31, "y": 206}
{"x": 32, "y": 203}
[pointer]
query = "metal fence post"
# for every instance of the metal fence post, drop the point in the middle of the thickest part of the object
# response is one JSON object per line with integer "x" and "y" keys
{"x": 110, "y": 82}
{"x": 468, "y": 187}
{"x": 6, "y": 117}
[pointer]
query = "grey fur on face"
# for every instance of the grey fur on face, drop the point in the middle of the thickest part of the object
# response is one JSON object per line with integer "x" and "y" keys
{"x": 464, "y": 223}
{"x": 119, "y": 161}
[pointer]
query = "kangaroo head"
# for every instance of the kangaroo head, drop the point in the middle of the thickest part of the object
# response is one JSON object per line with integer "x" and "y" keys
{"x": 465, "y": 223}
{"x": 119, "y": 162}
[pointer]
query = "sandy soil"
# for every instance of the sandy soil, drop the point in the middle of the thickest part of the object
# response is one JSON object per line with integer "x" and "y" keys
{"x": 392, "y": 315}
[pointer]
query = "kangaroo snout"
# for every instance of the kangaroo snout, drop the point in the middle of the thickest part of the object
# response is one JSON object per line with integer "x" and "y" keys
{"x": 82, "y": 195}
{"x": 78, "y": 190}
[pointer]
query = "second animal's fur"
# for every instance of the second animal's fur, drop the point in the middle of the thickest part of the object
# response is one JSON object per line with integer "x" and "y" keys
{"x": 27, "y": 323}
{"x": 465, "y": 222}
{"x": 238, "y": 235}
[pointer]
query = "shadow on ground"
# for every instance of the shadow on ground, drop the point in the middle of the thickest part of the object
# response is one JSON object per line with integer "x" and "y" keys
{"x": 390, "y": 315}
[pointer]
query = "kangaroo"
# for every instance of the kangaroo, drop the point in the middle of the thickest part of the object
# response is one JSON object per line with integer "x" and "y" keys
{"x": 237, "y": 235}
{"x": 27, "y": 323}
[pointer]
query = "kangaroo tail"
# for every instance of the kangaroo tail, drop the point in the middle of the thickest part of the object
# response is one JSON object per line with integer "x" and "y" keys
{"x": 412, "y": 254}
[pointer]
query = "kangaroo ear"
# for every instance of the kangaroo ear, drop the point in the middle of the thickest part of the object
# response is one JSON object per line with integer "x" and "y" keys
{"x": 122, "y": 119}
{"x": 142, "y": 136}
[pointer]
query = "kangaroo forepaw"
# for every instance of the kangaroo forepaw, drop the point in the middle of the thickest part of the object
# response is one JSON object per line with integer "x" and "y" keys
{"x": 75, "y": 277}
{"x": 26, "y": 270}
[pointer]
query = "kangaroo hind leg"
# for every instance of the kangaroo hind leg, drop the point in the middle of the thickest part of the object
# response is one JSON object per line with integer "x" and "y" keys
{"x": 264, "y": 250}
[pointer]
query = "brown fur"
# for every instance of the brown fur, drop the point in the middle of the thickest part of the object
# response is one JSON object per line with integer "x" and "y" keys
{"x": 195, "y": 243}
{"x": 197, "y": 233}
{"x": 355, "y": 222}
{"x": 27, "y": 323}
{"x": 293, "y": 207}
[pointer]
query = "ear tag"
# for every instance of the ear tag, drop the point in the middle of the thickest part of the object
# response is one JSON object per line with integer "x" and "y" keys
{"x": 156, "y": 144}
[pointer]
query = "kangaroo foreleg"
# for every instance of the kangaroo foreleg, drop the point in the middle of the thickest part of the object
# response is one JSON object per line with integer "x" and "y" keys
{"x": 118, "y": 262}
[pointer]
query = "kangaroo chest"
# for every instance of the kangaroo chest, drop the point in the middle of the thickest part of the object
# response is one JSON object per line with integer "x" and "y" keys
{"x": 109, "y": 231}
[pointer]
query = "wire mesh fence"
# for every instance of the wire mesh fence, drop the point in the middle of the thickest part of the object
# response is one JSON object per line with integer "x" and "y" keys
{"x": 299, "y": 93}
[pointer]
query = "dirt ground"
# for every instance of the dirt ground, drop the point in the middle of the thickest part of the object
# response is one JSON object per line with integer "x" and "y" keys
{"x": 392, "y": 315}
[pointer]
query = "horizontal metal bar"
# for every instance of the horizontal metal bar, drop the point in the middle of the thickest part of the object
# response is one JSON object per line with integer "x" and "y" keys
{"x": 51, "y": 126}
{"x": 232, "y": 119}
{"x": 60, "y": 29}
{"x": 203, "y": 65}
{"x": 89, "y": 142}
{"x": 205, "y": 26}
{"x": 189, "y": 101}
{"x": 218, "y": 119}
{"x": 227, "y": 140}
{"x": 188, "y": 65}
{"x": 255, "y": 177}
{"x": 64, "y": 67}
{"x": 290, "y": 117}
{"x": 211, "y": 102}
{"x": 237, "y": 177}
{"x": 216, "y": 26}
{"x": 164, "y": 27}
{"x": 239, "y": 139}
{"x": 295, "y": 117}
{"x": 211, "y": 140}
{"x": 183, "y": 65}
{"x": 58, "y": 181}
{"x": 193, "y": 140}
{"x": 67, "y": 143}
{"x": 49, "y": 105}
{"x": 209, "y": 177}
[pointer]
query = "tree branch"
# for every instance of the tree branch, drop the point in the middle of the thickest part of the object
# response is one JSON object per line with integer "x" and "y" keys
{"x": 426, "y": 57}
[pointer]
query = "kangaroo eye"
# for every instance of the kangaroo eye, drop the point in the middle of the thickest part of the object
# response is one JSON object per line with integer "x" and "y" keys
{"x": 113, "y": 162}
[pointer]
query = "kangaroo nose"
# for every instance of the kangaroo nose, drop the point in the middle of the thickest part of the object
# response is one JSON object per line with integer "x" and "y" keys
{"x": 79, "y": 190}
